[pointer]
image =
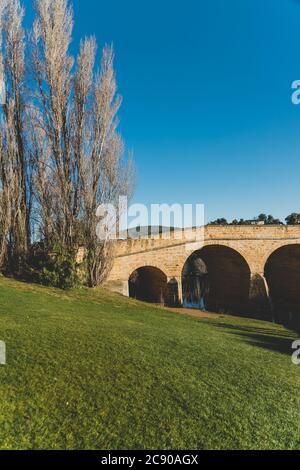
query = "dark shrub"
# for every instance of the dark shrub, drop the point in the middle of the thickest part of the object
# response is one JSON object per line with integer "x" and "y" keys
{"x": 53, "y": 267}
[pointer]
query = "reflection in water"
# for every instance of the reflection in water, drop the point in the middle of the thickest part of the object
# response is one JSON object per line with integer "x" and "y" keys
{"x": 218, "y": 277}
{"x": 195, "y": 284}
{"x": 200, "y": 305}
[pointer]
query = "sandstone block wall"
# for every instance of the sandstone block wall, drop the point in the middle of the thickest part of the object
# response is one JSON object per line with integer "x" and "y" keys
{"x": 254, "y": 243}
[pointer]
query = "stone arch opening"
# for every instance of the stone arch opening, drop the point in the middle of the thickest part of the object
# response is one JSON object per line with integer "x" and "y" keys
{"x": 217, "y": 278}
{"x": 282, "y": 272}
{"x": 149, "y": 284}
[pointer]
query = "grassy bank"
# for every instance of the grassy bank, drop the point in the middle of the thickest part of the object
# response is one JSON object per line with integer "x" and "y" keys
{"x": 91, "y": 370}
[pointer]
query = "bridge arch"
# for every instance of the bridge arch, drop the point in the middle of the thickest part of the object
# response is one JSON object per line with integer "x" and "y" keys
{"x": 151, "y": 284}
{"x": 282, "y": 273}
{"x": 218, "y": 278}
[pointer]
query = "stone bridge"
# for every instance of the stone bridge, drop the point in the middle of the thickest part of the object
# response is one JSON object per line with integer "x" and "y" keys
{"x": 254, "y": 268}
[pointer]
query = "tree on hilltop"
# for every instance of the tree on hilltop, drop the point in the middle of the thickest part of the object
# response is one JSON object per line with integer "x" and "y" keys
{"x": 293, "y": 219}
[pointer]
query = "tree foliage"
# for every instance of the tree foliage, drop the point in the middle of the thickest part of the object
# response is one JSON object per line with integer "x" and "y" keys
{"x": 293, "y": 219}
{"x": 61, "y": 155}
{"x": 262, "y": 218}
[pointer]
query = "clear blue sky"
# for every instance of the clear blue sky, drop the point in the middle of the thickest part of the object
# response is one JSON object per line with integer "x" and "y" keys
{"x": 207, "y": 99}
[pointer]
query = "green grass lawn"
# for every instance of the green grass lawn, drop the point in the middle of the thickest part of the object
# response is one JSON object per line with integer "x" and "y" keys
{"x": 91, "y": 370}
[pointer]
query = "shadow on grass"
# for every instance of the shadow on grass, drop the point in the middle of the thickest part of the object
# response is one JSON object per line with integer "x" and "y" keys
{"x": 277, "y": 341}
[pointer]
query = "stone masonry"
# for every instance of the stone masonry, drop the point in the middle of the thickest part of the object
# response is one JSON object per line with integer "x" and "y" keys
{"x": 254, "y": 243}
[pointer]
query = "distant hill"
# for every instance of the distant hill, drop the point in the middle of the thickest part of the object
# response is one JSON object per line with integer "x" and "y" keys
{"x": 145, "y": 231}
